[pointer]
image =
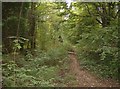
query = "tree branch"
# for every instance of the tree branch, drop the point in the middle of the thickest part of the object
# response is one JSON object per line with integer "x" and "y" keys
{"x": 91, "y": 14}
{"x": 88, "y": 9}
{"x": 99, "y": 21}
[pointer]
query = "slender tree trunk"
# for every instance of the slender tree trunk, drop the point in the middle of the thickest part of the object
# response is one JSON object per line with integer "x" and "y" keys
{"x": 32, "y": 26}
{"x": 105, "y": 20}
{"x": 119, "y": 40}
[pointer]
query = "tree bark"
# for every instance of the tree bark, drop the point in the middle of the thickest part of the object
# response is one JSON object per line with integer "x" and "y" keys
{"x": 32, "y": 26}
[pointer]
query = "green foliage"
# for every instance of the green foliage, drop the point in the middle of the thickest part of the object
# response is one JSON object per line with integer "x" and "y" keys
{"x": 40, "y": 71}
{"x": 12, "y": 27}
{"x": 53, "y": 29}
{"x": 18, "y": 43}
{"x": 10, "y": 20}
{"x": 53, "y": 56}
{"x": 100, "y": 46}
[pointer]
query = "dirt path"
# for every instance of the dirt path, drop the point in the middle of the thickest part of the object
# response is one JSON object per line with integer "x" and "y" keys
{"x": 86, "y": 79}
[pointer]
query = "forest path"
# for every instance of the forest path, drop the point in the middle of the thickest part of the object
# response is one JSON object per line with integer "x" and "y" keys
{"x": 85, "y": 78}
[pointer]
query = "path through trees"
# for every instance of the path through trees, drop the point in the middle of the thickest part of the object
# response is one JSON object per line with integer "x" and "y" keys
{"x": 85, "y": 78}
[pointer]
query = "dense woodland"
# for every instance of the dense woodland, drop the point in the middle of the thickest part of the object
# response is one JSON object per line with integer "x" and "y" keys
{"x": 37, "y": 39}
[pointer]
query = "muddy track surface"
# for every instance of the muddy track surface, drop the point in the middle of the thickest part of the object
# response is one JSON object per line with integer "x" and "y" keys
{"x": 85, "y": 78}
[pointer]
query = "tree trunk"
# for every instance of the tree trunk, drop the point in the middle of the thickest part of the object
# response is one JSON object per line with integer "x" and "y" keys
{"x": 105, "y": 19}
{"x": 119, "y": 38}
{"x": 32, "y": 26}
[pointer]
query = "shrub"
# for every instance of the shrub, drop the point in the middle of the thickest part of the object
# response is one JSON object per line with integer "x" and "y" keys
{"x": 100, "y": 45}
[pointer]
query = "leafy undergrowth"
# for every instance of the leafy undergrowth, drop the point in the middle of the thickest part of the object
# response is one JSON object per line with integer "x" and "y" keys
{"x": 98, "y": 50}
{"x": 46, "y": 69}
{"x": 104, "y": 70}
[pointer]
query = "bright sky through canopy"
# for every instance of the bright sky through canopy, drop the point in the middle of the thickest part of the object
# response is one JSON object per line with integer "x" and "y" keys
{"x": 68, "y": 2}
